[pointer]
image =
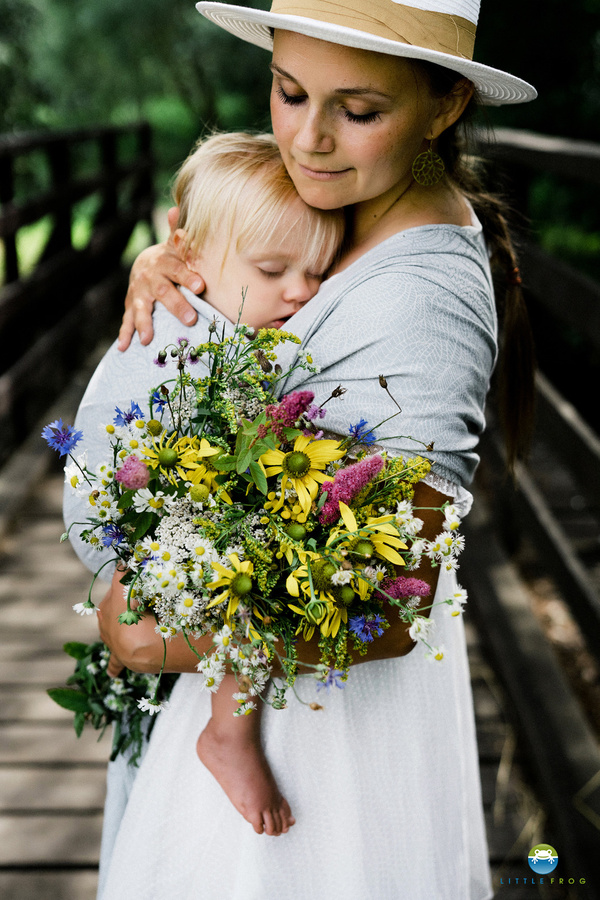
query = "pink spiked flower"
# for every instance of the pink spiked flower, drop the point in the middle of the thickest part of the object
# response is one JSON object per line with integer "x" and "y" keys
{"x": 347, "y": 484}
{"x": 401, "y": 588}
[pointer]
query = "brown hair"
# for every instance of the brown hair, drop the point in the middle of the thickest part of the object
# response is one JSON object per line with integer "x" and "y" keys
{"x": 516, "y": 375}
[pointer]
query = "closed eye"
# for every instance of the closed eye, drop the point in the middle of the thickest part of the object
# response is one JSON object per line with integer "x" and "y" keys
{"x": 363, "y": 119}
{"x": 291, "y": 99}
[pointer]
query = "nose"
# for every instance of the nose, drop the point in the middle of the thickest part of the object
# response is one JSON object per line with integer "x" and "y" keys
{"x": 299, "y": 288}
{"x": 314, "y": 134}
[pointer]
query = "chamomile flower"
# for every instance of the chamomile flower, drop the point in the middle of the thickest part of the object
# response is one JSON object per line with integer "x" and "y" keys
{"x": 145, "y": 501}
{"x": 85, "y": 609}
{"x": 420, "y": 628}
{"x": 434, "y": 654}
{"x": 151, "y": 706}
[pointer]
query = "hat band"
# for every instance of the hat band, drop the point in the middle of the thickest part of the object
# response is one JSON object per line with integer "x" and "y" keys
{"x": 387, "y": 19}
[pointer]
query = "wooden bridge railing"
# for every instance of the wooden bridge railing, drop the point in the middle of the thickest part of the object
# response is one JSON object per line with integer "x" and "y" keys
{"x": 562, "y": 750}
{"x": 82, "y": 193}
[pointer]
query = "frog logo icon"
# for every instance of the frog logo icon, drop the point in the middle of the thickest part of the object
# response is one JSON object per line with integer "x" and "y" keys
{"x": 542, "y": 859}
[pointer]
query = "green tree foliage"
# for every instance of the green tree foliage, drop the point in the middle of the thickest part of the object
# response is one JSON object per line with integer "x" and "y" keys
{"x": 83, "y": 62}
{"x": 21, "y": 91}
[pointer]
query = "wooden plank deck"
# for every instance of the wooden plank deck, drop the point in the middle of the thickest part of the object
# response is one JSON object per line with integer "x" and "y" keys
{"x": 52, "y": 785}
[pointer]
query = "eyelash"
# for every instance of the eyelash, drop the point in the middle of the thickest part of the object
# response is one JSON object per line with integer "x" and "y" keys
{"x": 365, "y": 119}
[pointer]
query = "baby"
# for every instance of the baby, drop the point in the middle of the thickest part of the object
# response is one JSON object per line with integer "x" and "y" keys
{"x": 242, "y": 225}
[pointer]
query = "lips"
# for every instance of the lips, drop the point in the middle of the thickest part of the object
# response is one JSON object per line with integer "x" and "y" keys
{"x": 322, "y": 174}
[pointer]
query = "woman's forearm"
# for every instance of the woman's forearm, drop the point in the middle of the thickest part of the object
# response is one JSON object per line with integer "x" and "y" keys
{"x": 139, "y": 647}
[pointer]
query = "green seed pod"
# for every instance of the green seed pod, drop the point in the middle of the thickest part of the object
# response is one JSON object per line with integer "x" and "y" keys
{"x": 296, "y": 531}
{"x": 347, "y": 594}
{"x": 199, "y": 493}
{"x": 364, "y": 549}
{"x": 154, "y": 427}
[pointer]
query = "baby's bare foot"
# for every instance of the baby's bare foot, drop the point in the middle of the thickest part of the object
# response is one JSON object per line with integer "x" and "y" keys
{"x": 241, "y": 768}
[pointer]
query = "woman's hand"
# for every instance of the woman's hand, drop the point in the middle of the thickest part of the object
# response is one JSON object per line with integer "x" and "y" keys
{"x": 139, "y": 647}
{"x": 153, "y": 277}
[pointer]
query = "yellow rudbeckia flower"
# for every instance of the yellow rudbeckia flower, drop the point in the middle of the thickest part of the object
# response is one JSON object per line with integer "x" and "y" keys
{"x": 302, "y": 468}
{"x": 174, "y": 456}
{"x": 377, "y": 537}
{"x": 236, "y": 581}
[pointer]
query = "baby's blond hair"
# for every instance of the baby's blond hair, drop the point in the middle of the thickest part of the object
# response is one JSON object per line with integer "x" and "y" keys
{"x": 238, "y": 182}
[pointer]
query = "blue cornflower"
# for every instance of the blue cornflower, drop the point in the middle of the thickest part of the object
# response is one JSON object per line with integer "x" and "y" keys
{"x": 365, "y": 628}
{"x": 61, "y": 437}
{"x": 158, "y": 400}
{"x": 333, "y": 677}
{"x": 112, "y": 536}
{"x": 360, "y": 433}
{"x": 130, "y": 415}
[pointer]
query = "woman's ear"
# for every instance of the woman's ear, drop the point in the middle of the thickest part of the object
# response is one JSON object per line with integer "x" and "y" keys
{"x": 451, "y": 107}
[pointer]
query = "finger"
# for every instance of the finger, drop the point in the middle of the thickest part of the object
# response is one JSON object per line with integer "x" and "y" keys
{"x": 176, "y": 303}
{"x": 141, "y": 312}
{"x": 126, "y": 331}
{"x": 115, "y": 666}
{"x": 173, "y": 218}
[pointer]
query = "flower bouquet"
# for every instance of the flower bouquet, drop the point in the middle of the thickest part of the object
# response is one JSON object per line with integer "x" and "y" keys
{"x": 237, "y": 516}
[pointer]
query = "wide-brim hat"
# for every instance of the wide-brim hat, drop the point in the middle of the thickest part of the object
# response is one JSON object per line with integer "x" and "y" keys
{"x": 437, "y": 31}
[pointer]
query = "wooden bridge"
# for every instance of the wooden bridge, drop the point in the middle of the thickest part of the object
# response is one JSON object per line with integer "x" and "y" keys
{"x": 538, "y": 710}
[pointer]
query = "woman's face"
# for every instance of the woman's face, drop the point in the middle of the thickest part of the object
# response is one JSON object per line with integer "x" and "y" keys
{"x": 349, "y": 122}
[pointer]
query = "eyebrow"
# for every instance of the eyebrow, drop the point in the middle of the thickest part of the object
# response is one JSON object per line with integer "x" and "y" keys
{"x": 352, "y": 92}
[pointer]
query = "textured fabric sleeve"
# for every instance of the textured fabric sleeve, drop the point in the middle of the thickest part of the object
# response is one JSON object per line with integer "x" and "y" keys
{"x": 423, "y": 316}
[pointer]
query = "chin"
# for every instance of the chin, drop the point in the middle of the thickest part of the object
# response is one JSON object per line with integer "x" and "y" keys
{"x": 320, "y": 198}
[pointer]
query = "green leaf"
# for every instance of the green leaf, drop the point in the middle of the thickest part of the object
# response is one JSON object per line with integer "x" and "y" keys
{"x": 145, "y": 522}
{"x": 224, "y": 463}
{"x": 69, "y": 698}
{"x": 78, "y": 723}
{"x": 259, "y": 477}
{"x": 76, "y": 649}
{"x": 126, "y": 500}
{"x": 244, "y": 460}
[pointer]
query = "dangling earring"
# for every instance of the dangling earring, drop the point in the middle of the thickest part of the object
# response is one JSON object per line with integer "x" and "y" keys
{"x": 428, "y": 168}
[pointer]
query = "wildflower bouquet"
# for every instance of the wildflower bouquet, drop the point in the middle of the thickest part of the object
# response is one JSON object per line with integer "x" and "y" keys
{"x": 236, "y": 516}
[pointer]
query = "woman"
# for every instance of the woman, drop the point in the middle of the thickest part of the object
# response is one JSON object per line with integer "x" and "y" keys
{"x": 384, "y": 781}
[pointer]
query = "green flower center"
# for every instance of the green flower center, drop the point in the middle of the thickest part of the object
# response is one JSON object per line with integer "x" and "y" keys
{"x": 241, "y": 585}
{"x": 167, "y": 457}
{"x": 363, "y": 548}
{"x": 321, "y": 571}
{"x": 296, "y": 463}
{"x": 347, "y": 594}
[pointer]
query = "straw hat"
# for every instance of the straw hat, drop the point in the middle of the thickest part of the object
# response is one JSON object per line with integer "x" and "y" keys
{"x": 438, "y": 31}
